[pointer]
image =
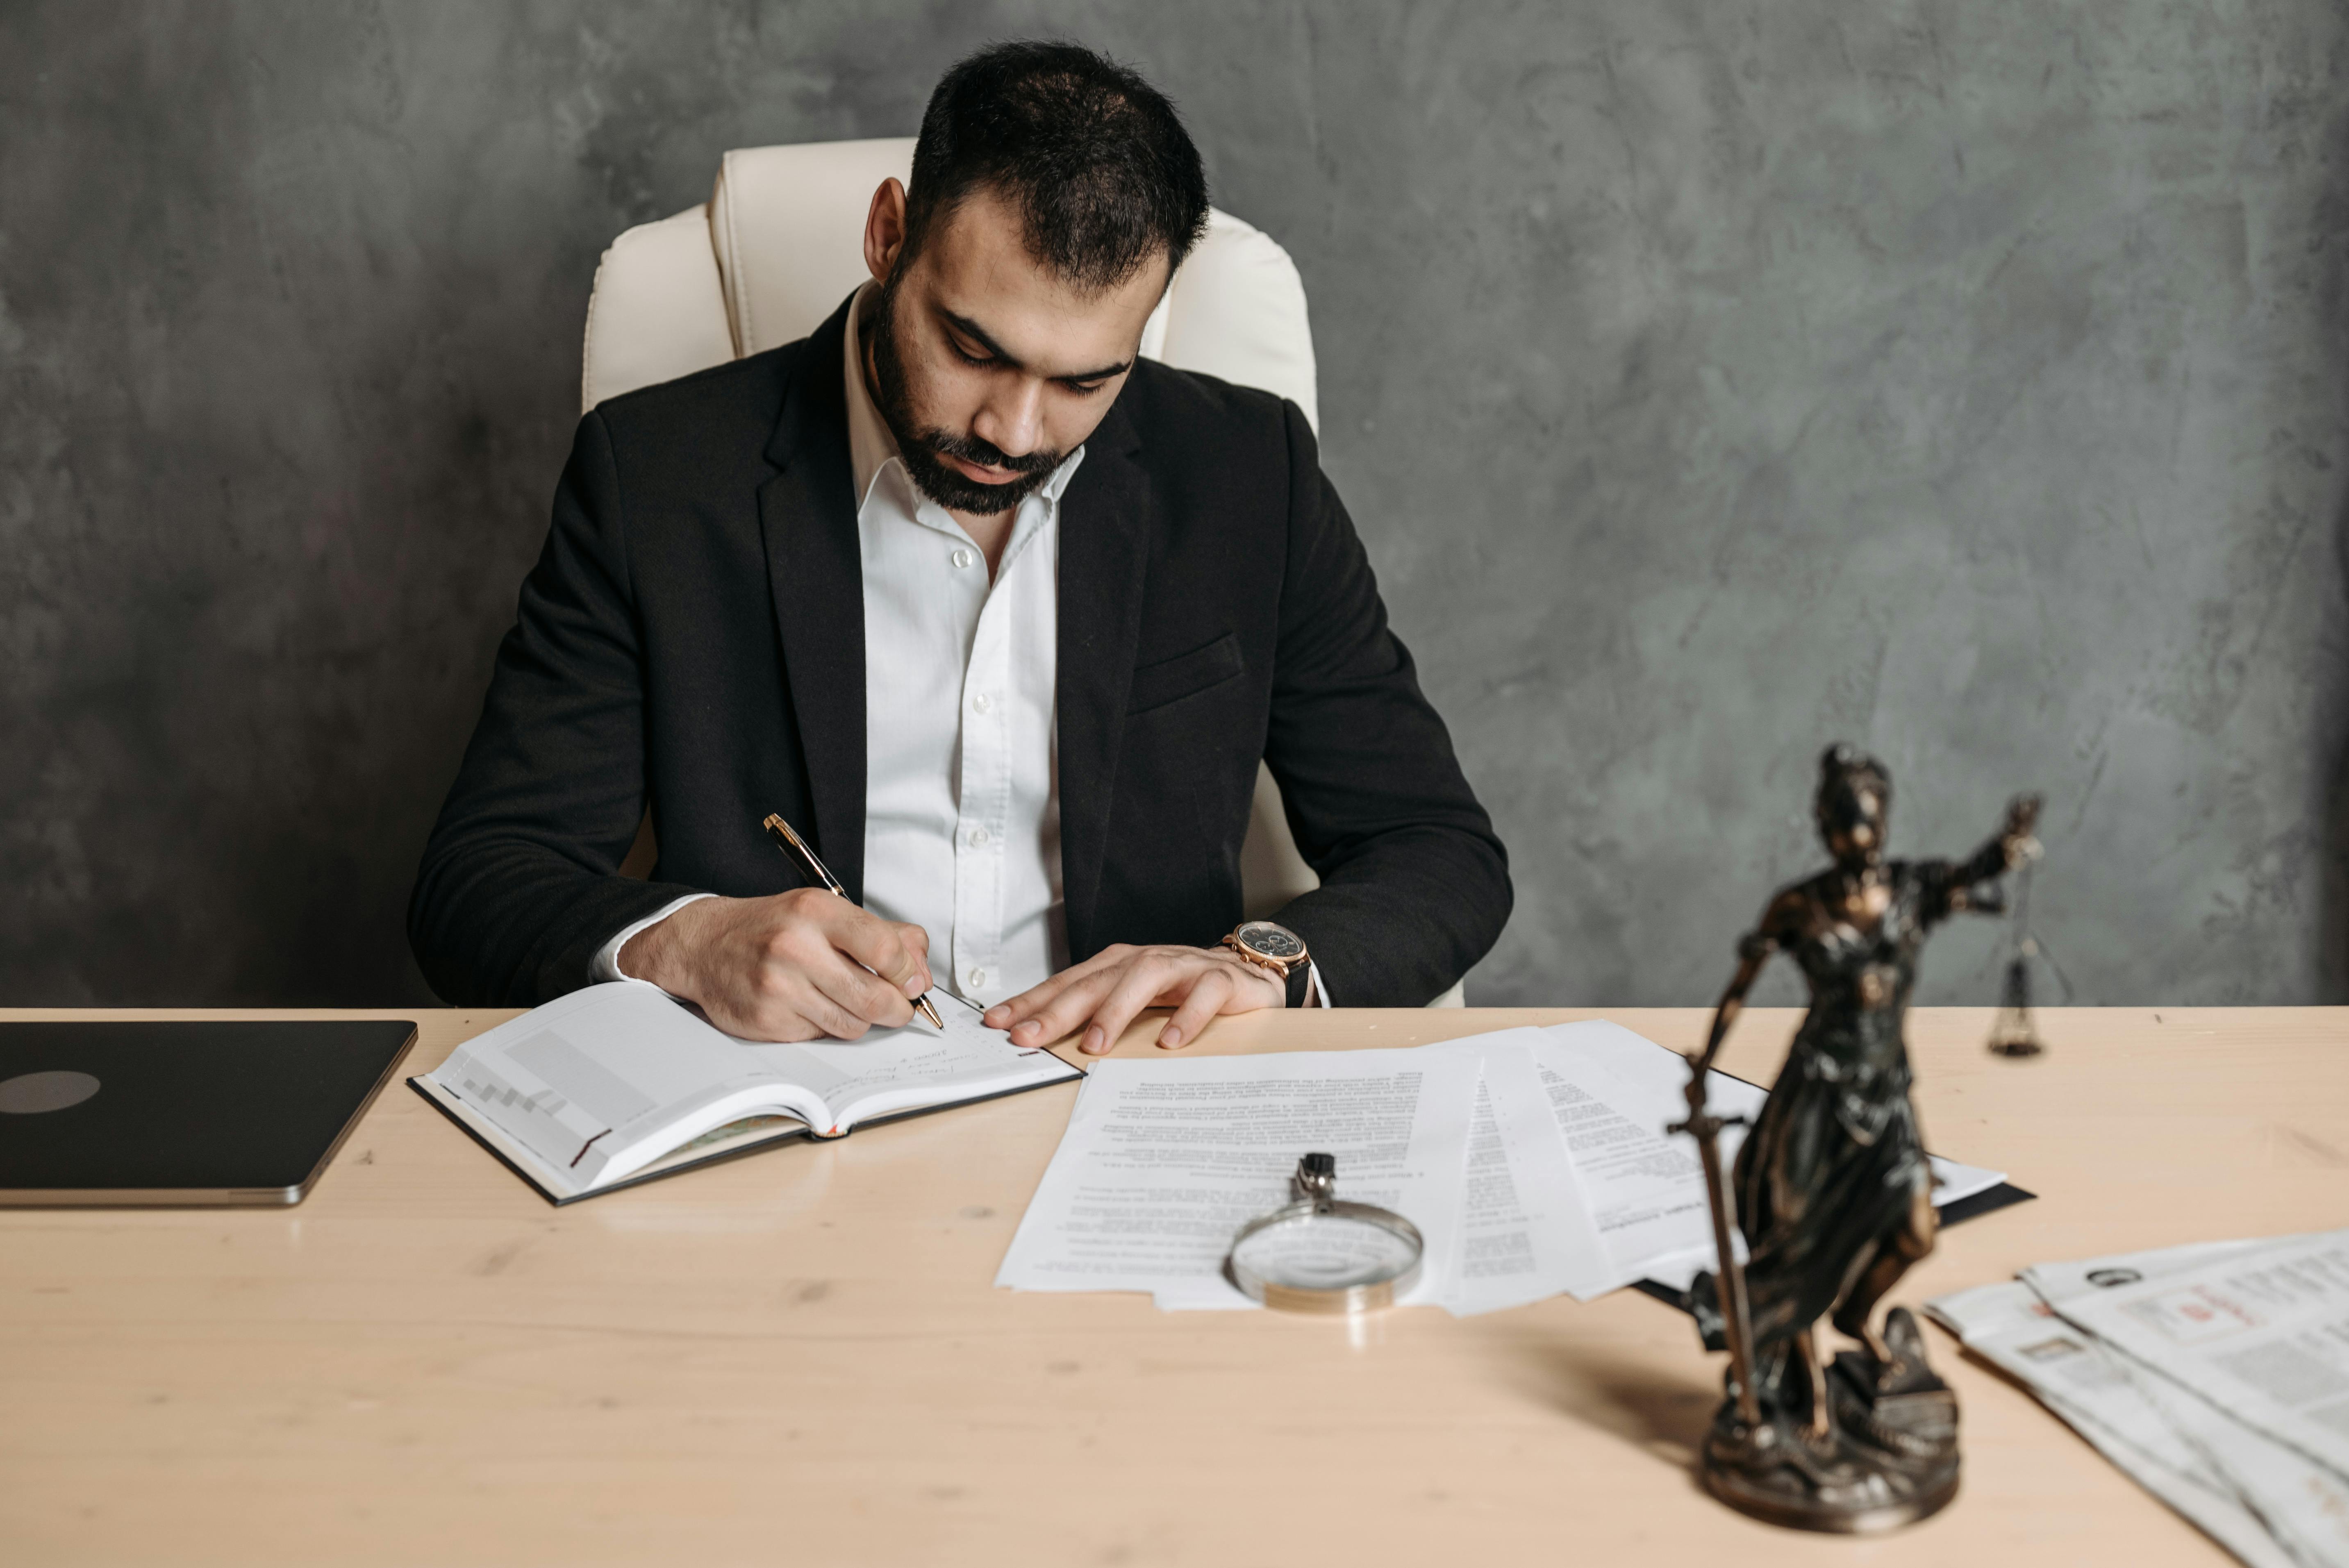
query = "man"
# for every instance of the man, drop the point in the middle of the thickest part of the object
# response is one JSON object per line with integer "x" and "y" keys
{"x": 998, "y": 615}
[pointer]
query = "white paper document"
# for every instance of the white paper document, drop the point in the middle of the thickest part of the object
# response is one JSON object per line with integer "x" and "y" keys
{"x": 1164, "y": 1161}
{"x": 1645, "y": 1186}
{"x": 1526, "y": 1232}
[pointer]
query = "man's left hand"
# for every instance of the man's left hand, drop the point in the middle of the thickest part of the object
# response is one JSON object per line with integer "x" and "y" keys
{"x": 1103, "y": 995}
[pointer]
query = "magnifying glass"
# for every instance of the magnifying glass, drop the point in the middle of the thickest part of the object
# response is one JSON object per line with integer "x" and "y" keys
{"x": 1321, "y": 1253}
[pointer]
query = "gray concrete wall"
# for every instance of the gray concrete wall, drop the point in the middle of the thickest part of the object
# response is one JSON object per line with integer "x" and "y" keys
{"x": 1710, "y": 381}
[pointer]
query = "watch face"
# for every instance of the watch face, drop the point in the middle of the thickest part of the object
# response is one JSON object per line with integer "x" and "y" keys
{"x": 1272, "y": 941}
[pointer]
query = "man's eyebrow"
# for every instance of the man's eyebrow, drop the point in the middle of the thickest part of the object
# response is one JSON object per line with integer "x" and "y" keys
{"x": 977, "y": 335}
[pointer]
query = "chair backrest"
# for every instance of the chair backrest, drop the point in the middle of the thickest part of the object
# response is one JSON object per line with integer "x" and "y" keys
{"x": 779, "y": 243}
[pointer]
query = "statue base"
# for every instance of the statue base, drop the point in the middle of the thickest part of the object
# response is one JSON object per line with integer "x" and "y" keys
{"x": 1888, "y": 1456}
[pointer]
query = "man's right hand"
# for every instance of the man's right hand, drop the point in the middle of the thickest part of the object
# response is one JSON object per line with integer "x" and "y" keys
{"x": 789, "y": 967}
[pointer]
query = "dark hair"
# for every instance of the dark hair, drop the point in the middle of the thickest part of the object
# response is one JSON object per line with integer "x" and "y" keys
{"x": 1094, "y": 159}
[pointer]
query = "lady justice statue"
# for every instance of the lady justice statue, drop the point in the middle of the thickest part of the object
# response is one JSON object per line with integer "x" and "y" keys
{"x": 1831, "y": 1187}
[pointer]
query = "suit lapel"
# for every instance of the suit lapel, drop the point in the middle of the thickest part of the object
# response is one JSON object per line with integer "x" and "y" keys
{"x": 807, "y": 513}
{"x": 1104, "y": 557}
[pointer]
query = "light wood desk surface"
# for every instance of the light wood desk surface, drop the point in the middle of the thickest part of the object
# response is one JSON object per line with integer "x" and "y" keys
{"x": 800, "y": 1356}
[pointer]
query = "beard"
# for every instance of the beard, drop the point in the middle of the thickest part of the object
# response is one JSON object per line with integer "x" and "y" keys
{"x": 925, "y": 449}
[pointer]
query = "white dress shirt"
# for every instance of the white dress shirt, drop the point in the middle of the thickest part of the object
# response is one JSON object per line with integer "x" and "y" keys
{"x": 962, "y": 798}
{"x": 962, "y": 801}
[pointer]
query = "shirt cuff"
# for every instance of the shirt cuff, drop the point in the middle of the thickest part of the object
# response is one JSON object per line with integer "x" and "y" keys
{"x": 1320, "y": 986}
{"x": 607, "y": 957}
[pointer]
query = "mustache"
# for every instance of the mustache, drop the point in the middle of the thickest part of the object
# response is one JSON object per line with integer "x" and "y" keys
{"x": 986, "y": 454}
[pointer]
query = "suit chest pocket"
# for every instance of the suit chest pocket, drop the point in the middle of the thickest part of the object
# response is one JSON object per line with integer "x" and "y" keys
{"x": 1185, "y": 675}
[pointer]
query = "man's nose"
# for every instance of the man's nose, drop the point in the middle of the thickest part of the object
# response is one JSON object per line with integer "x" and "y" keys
{"x": 1012, "y": 419}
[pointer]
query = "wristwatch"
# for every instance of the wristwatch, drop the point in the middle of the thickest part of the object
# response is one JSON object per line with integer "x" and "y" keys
{"x": 1278, "y": 951}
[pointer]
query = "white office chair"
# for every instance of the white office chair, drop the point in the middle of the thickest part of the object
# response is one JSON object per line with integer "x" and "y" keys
{"x": 779, "y": 243}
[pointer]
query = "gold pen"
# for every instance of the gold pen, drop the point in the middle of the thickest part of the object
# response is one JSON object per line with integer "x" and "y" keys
{"x": 791, "y": 843}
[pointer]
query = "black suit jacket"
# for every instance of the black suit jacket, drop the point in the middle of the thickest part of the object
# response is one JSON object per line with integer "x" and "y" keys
{"x": 693, "y": 634}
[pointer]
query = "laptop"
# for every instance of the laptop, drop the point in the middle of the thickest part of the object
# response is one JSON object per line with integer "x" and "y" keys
{"x": 209, "y": 1112}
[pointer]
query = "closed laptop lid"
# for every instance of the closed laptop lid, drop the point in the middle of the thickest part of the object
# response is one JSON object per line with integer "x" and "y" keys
{"x": 199, "y": 1111}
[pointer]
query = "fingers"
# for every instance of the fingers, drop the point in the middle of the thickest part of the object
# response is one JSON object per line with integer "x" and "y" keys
{"x": 1208, "y": 995}
{"x": 788, "y": 1009}
{"x": 791, "y": 966}
{"x": 813, "y": 1017}
{"x": 1012, "y": 1010}
{"x": 1103, "y": 994}
{"x": 1070, "y": 1007}
{"x": 917, "y": 949}
{"x": 918, "y": 940}
{"x": 878, "y": 945}
{"x": 861, "y": 998}
{"x": 1009, "y": 1014}
{"x": 802, "y": 976}
{"x": 1152, "y": 975}
{"x": 801, "y": 966}
{"x": 1212, "y": 985}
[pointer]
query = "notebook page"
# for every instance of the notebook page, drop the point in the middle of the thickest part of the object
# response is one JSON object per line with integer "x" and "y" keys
{"x": 902, "y": 1068}
{"x": 598, "y": 1082}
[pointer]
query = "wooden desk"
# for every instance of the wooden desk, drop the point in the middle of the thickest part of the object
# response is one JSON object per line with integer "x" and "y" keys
{"x": 800, "y": 1356}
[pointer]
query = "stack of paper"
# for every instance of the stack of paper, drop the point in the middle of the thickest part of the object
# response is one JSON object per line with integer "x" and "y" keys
{"x": 1534, "y": 1162}
{"x": 2216, "y": 1375}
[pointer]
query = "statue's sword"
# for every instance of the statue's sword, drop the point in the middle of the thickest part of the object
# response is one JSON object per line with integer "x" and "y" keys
{"x": 1737, "y": 1324}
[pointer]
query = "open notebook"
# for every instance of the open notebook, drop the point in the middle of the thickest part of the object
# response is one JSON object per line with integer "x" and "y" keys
{"x": 618, "y": 1083}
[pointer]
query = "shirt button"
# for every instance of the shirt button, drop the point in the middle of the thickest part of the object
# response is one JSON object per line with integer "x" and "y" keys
{"x": 983, "y": 703}
{"x": 977, "y": 978}
{"x": 979, "y": 837}
{"x": 962, "y": 560}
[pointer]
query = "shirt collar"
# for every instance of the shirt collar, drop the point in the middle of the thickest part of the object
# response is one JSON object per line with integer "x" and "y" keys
{"x": 871, "y": 446}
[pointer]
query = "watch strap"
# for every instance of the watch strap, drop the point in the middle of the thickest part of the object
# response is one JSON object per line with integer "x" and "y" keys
{"x": 1301, "y": 985}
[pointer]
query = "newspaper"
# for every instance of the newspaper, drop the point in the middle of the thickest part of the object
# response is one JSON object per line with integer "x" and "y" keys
{"x": 2261, "y": 1498}
{"x": 2121, "y": 1411}
{"x": 2263, "y": 1334}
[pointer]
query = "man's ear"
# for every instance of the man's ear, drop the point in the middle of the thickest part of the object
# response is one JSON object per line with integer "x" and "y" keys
{"x": 884, "y": 229}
